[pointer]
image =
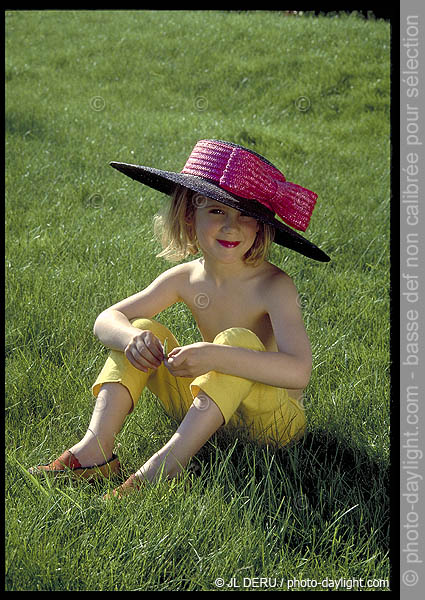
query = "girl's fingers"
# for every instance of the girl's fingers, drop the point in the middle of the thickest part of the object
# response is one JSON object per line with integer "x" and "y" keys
{"x": 142, "y": 357}
{"x": 155, "y": 348}
{"x": 174, "y": 371}
{"x": 149, "y": 354}
{"x": 175, "y": 364}
{"x": 174, "y": 353}
{"x": 134, "y": 362}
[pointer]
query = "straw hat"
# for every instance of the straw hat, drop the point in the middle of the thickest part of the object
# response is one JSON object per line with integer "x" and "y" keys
{"x": 245, "y": 181}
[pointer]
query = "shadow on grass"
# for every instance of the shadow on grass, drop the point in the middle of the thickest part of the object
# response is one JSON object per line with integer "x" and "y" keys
{"x": 321, "y": 477}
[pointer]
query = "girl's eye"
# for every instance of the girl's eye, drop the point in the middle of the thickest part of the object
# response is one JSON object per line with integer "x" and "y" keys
{"x": 216, "y": 211}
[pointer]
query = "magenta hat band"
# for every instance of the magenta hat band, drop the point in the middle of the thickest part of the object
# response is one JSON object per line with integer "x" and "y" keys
{"x": 246, "y": 175}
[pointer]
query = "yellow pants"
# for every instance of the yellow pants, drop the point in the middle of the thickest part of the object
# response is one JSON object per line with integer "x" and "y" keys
{"x": 267, "y": 413}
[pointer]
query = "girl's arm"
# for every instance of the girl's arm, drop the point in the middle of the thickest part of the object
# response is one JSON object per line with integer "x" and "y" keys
{"x": 277, "y": 369}
{"x": 113, "y": 327}
{"x": 290, "y": 367}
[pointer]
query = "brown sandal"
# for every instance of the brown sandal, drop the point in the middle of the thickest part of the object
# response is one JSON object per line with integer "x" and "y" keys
{"x": 68, "y": 464}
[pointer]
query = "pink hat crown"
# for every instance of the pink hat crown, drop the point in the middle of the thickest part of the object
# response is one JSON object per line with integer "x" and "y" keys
{"x": 250, "y": 176}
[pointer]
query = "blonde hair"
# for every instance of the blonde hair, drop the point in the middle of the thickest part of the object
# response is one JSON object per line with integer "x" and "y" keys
{"x": 175, "y": 228}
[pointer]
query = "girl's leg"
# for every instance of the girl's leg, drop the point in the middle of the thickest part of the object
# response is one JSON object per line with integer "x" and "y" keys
{"x": 266, "y": 413}
{"x": 215, "y": 399}
{"x": 117, "y": 391}
{"x": 113, "y": 404}
{"x": 201, "y": 421}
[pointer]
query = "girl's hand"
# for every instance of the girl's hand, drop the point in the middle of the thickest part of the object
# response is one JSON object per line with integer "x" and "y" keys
{"x": 144, "y": 351}
{"x": 191, "y": 361}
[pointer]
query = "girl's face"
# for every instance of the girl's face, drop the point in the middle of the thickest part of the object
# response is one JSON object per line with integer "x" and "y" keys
{"x": 223, "y": 232}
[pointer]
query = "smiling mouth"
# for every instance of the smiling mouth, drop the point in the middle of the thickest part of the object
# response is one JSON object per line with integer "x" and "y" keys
{"x": 227, "y": 244}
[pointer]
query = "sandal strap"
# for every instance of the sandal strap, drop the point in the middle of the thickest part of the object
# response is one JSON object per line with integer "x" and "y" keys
{"x": 67, "y": 459}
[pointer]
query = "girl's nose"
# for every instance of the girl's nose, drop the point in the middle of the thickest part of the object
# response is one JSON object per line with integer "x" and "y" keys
{"x": 231, "y": 222}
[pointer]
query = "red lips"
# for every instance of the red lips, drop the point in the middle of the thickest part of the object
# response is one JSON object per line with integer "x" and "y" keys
{"x": 228, "y": 244}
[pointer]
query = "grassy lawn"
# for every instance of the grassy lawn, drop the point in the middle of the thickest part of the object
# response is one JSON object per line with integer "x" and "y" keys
{"x": 312, "y": 95}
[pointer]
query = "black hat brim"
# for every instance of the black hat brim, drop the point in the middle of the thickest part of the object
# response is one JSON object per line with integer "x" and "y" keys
{"x": 167, "y": 181}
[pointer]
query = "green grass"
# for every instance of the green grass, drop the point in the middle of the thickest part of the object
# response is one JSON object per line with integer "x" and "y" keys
{"x": 312, "y": 95}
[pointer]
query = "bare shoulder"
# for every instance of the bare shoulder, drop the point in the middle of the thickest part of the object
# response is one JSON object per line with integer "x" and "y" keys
{"x": 180, "y": 277}
{"x": 280, "y": 295}
{"x": 176, "y": 273}
{"x": 278, "y": 284}
{"x": 182, "y": 272}
{"x": 164, "y": 291}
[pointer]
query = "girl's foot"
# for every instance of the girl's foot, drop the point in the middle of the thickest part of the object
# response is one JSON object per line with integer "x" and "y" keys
{"x": 89, "y": 451}
{"x": 67, "y": 463}
{"x": 132, "y": 484}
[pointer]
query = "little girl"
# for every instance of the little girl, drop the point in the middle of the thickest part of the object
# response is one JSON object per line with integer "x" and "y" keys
{"x": 254, "y": 361}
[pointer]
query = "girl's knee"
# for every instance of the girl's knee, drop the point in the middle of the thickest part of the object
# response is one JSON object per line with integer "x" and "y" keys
{"x": 157, "y": 328}
{"x": 142, "y": 323}
{"x": 239, "y": 336}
